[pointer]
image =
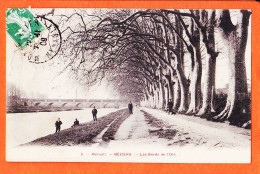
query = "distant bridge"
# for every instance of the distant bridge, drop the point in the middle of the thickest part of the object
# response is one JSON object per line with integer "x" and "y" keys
{"x": 74, "y": 103}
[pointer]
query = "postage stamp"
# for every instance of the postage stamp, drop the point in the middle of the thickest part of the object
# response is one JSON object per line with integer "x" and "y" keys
{"x": 47, "y": 45}
{"x": 22, "y": 26}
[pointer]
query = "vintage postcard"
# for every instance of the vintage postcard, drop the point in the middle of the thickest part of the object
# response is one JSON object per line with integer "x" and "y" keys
{"x": 128, "y": 85}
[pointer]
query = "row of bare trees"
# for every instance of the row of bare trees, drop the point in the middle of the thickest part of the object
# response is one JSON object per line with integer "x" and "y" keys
{"x": 146, "y": 54}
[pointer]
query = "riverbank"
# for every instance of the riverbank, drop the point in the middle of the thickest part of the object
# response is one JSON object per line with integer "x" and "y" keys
{"x": 22, "y": 128}
{"x": 85, "y": 132}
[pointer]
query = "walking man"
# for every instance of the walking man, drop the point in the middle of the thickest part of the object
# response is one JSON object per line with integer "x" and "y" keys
{"x": 130, "y": 107}
{"x": 170, "y": 106}
{"x": 94, "y": 113}
{"x": 57, "y": 125}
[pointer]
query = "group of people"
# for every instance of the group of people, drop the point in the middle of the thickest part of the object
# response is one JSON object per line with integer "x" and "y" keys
{"x": 58, "y": 123}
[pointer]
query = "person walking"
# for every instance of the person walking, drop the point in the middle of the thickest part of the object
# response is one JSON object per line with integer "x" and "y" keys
{"x": 130, "y": 107}
{"x": 170, "y": 106}
{"x": 57, "y": 125}
{"x": 94, "y": 113}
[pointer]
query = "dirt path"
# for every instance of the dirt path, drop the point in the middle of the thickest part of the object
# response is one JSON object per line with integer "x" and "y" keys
{"x": 137, "y": 131}
{"x": 198, "y": 131}
{"x": 133, "y": 128}
{"x": 146, "y": 126}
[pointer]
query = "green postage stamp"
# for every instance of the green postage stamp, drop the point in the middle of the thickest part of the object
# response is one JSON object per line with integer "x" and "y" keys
{"x": 22, "y": 26}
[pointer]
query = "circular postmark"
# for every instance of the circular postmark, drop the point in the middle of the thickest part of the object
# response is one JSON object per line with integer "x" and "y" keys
{"x": 46, "y": 45}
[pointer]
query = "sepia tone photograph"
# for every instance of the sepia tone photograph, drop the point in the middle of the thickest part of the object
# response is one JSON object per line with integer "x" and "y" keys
{"x": 128, "y": 85}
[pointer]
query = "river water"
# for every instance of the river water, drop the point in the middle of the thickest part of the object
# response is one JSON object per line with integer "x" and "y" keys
{"x": 25, "y": 127}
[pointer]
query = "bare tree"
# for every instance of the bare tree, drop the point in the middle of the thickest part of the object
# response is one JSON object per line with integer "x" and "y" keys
{"x": 235, "y": 37}
{"x": 141, "y": 52}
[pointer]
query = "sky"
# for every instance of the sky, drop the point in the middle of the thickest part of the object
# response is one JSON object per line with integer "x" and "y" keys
{"x": 42, "y": 80}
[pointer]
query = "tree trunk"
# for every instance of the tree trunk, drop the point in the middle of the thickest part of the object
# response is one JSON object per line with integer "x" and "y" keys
{"x": 213, "y": 91}
{"x": 235, "y": 37}
{"x": 158, "y": 98}
{"x": 182, "y": 80}
{"x": 210, "y": 69}
{"x": 167, "y": 95}
{"x": 208, "y": 88}
{"x": 170, "y": 86}
{"x": 151, "y": 101}
{"x": 195, "y": 85}
{"x": 184, "y": 90}
{"x": 162, "y": 101}
{"x": 171, "y": 90}
{"x": 154, "y": 97}
{"x": 177, "y": 96}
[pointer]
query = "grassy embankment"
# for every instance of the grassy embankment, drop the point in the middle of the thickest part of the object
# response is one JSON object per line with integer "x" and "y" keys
{"x": 86, "y": 132}
{"x": 158, "y": 123}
